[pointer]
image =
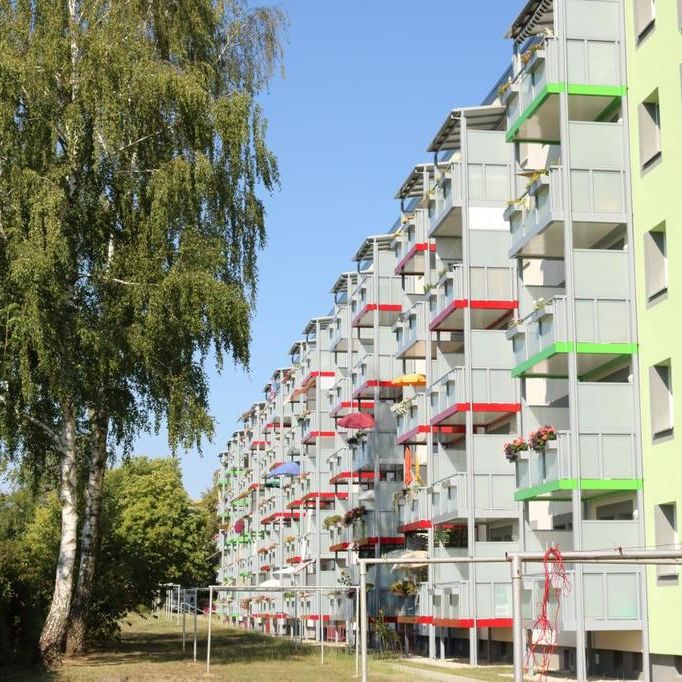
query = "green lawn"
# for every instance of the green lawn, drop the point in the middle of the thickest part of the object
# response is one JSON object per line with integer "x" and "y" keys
{"x": 151, "y": 649}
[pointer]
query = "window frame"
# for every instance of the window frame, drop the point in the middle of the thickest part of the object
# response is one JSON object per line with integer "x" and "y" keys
{"x": 649, "y": 131}
{"x": 661, "y": 391}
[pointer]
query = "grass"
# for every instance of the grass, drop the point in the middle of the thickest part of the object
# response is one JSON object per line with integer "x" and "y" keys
{"x": 151, "y": 650}
{"x": 486, "y": 673}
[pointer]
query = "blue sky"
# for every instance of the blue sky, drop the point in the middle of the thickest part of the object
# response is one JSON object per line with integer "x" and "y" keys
{"x": 367, "y": 84}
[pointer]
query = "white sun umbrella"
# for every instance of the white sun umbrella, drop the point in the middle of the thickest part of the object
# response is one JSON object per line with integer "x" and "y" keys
{"x": 407, "y": 554}
{"x": 271, "y": 582}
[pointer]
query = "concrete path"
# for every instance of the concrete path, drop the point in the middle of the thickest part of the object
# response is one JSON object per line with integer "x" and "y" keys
{"x": 430, "y": 674}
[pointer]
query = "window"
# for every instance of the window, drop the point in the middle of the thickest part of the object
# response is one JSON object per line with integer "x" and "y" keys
{"x": 665, "y": 521}
{"x": 661, "y": 399}
{"x": 649, "y": 116}
{"x": 656, "y": 263}
{"x": 645, "y": 15}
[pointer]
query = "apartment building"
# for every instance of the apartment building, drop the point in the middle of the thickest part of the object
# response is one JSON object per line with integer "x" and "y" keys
{"x": 654, "y": 70}
{"x": 475, "y": 387}
{"x": 575, "y": 338}
{"x": 456, "y": 424}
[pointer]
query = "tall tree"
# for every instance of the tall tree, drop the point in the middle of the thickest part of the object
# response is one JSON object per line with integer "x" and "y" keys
{"x": 132, "y": 152}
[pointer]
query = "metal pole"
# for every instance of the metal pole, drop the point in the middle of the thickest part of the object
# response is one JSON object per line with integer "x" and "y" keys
{"x": 517, "y": 596}
{"x": 321, "y": 633}
{"x": 177, "y": 620}
{"x": 357, "y": 633}
{"x": 184, "y": 636}
{"x": 363, "y": 617}
{"x": 196, "y": 606}
{"x": 208, "y": 642}
{"x": 295, "y": 620}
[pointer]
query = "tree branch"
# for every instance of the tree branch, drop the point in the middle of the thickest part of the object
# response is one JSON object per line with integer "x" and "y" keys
{"x": 48, "y": 430}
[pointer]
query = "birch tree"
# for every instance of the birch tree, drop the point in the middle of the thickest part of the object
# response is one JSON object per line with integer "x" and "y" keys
{"x": 132, "y": 158}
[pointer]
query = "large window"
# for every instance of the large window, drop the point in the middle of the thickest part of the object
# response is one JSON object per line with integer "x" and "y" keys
{"x": 665, "y": 521}
{"x": 656, "y": 263}
{"x": 661, "y": 398}
{"x": 649, "y": 116}
{"x": 645, "y": 15}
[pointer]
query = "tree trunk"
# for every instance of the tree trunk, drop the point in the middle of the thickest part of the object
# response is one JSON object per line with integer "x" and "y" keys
{"x": 76, "y": 636}
{"x": 54, "y": 629}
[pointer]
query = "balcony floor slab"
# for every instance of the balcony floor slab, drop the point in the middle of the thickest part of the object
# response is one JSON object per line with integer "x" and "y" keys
{"x": 559, "y": 490}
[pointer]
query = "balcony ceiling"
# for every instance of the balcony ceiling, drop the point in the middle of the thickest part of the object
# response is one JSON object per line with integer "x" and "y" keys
{"x": 341, "y": 283}
{"x": 413, "y": 186}
{"x": 533, "y": 19}
{"x": 366, "y": 250}
{"x": 490, "y": 117}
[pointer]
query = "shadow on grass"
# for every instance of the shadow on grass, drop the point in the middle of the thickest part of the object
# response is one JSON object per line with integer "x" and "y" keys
{"x": 227, "y": 646}
{"x": 25, "y": 673}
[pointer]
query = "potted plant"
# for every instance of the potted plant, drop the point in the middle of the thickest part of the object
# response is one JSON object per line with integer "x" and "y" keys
{"x": 539, "y": 438}
{"x": 512, "y": 449}
{"x": 403, "y": 588}
{"x": 332, "y": 521}
{"x": 353, "y": 514}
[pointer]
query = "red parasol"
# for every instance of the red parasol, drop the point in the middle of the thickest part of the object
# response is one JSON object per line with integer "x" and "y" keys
{"x": 356, "y": 420}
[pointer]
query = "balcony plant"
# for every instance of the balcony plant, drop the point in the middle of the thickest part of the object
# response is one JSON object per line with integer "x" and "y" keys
{"x": 512, "y": 449}
{"x": 527, "y": 55}
{"x": 332, "y": 521}
{"x": 245, "y": 604}
{"x": 403, "y": 588}
{"x": 539, "y": 438}
{"x": 353, "y": 514}
{"x": 289, "y": 595}
{"x": 402, "y": 407}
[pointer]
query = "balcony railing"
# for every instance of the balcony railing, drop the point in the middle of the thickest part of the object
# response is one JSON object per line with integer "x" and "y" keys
{"x": 541, "y": 67}
{"x": 589, "y": 62}
{"x": 414, "y": 509}
{"x": 603, "y": 456}
{"x": 413, "y": 416}
{"x": 490, "y": 386}
{"x": 411, "y": 328}
{"x": 612, "y": 597}
{"x": 367, "y": 369}
{"x": 486, "y": 283}
{"x": 598, "y": 321}
{"x": 449, "y": 390}
{"x": 447, "y": 194}
{"x": 413, "y": 232}
{"x": 371, "y": 290}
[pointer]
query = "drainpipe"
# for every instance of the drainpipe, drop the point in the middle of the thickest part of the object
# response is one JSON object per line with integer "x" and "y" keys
{"x": 468, "y": 387}
{"x": 561, "y": 20}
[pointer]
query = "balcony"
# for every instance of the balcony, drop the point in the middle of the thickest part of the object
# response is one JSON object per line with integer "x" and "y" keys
{"x": 494, "y": 395}
{"x": 541, "y": 342}
{"x": 373, "y": 377}
{"x": 414, "y": 512}
{"x": 612, "y": 599}
{"x": 445, "y": 203}
{"x": 412, "y": 334}
{"x": 376, "y": 445}
{"x": 491, "y": 297}
{"x": 594, "y": 76}
{"x": 317, "y": 427}
{"x": 597, "y": 188}
{"x": 412, "y": 248}
{"x": 608, "y": 460}
{"x": 376, "y": 299}
{"x": 411, "y": 424}
{"x": 376, "y": 527}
